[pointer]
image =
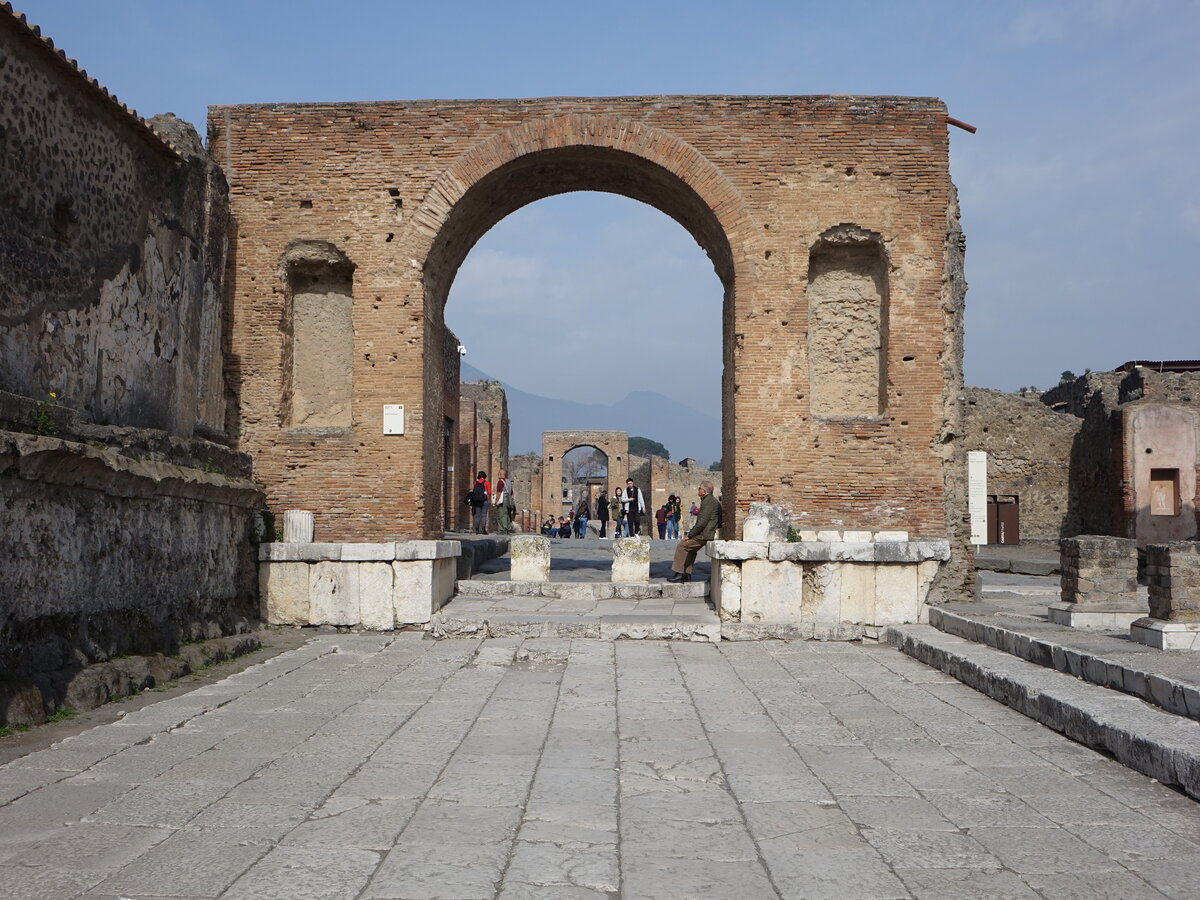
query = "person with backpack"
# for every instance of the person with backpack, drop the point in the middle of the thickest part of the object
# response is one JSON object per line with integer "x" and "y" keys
{"x": 477, "y": 498}
{"x": 707, "y": 520}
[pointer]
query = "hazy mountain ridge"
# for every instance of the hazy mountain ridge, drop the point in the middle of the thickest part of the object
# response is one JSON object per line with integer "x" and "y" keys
{"x": 684, "y": 431}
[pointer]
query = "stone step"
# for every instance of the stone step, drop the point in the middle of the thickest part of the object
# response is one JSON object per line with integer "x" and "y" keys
{"x": 1087, "y": 656}
{"x": 626, "y": 626}
{"x": 1143, "y": 737}
{"x": 582, "y": 590}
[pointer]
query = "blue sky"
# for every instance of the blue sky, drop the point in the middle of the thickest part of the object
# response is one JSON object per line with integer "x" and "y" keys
{"x": 1080, "y": 196}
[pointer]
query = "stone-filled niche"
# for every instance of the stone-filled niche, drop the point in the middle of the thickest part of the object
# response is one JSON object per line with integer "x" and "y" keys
{"x": 847, "y": 323}
{"x": 320, "y": 348}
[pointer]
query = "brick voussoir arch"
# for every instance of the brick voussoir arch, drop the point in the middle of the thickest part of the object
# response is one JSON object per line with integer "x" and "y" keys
{"x": 645, "y": 142}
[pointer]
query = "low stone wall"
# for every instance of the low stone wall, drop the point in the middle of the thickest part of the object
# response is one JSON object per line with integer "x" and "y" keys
{"x": 115, "y": 546}
{"x": 379, "y": 586}
{"x": 825, "y": 583}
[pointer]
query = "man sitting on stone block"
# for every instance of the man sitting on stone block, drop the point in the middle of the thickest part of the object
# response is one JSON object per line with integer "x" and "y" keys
{"x": 699, "y": 535}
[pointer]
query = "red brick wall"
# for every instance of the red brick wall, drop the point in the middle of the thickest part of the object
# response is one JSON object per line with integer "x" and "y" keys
{"x": 405, "y": 189}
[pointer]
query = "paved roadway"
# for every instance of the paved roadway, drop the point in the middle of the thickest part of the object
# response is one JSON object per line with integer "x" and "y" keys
{"x": 367, "y": 766}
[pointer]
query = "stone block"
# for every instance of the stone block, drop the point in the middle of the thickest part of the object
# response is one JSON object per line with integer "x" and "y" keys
{"x": 757, "y": 529}
{"x": 890, "y": 536}
{"x": 772, "y": 592}
{"x": 822, "y": 600}
{"x": 897, "y": 594}
{"x": 737, "y": 550}
{"x": 856, "y": 537}
{"x": 807, "y": 534}
{"x": 1115, "y": 616}
{"x": 829, "y": 537}
{"x": 408, "y": 550}
{"x": 277, "y": 552}
{"x": 384, "y": 552}
{"x": 413, "y": 591}
{"x": 284, "y": 593}
{"x": 926, "y": 571}
{"x": 1166, "y": 635}
{"x": 297, "y": 526}
{"x": 530, "y": 556}
{"x": 727, "y": 590}
{"x": 857, "y": 589}
{"x": 375, "y": 595}
{"x": 631, "y": 560}
{"x": 776, "y": 518}
{"x": 335, "y": 594}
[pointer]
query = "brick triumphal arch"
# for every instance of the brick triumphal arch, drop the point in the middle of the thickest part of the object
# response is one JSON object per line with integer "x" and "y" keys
{"x": 831, "y": 222}
{"x": 557, "y": 444}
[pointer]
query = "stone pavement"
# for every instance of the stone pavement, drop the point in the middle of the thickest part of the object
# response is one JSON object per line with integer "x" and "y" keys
{"x": 369, "y": 766}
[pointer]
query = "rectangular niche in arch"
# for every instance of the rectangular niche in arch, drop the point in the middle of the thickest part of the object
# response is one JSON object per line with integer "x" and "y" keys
{"x": 847, "y": 323}
{"x": 319, "y": 364}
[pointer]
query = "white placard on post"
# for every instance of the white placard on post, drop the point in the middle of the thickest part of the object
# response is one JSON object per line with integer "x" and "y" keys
{"x": 393, "y": 418}
{"x": 977, "y": 494}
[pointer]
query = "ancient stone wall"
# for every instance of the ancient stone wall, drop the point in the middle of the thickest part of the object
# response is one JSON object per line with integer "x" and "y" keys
{"x": 122, "y": 529}
{"x": 1029, "y": 449}
{"x": 112, "y": 251}
{"x": 760, "y": 182}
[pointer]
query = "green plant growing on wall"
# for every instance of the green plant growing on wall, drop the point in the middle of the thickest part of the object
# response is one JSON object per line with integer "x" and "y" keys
{"x": 43, "y": 421}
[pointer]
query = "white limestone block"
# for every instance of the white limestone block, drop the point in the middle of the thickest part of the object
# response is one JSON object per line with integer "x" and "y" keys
{"x": 858, "y": 589}
{"x": 427, "y": 549}
{"x": 856, "y": 537}
{"x": 284, "y": 593}
{"x": 808, "y": 534}
{"x": 412, "y": 592}
{"x": 926, "y": 571}
{"x": 631, "y": 560}
{"x": 828, "y": 536}
{"x": 776, "y": 518}
{"x": 530, "y": 558}
{"x": 727, "y": 590}
{"x": 756, "y": 529}
{"x": 445, "y": 573}
{"x": 891, "y": 536}
{"x": 375, "y": 595}
{"x": 280, "y": 552}
{"x": 334, "y": 594}
{"x": 373, "y": 552}
{"x": 897, "y": 594}
{"x": 772, "y": 592}
{"x": 823, "y": 595}
{"x": 737, "y": 549}
{"x": 297, "y": 526}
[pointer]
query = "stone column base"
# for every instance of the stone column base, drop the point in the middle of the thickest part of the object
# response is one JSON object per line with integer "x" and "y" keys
{"x": 1095, "y": 618}
{"x": 1164, "y": 635}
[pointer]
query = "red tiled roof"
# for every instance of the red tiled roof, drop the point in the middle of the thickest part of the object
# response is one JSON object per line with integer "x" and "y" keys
{"x": 1162, "y": 365}
{"x": 34, "y": 35}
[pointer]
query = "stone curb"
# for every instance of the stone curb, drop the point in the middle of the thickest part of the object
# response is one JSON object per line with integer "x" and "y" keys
{"x": 610, "y": 628}
{"x": 1177, "y": 697}
{"x": 1152, "y": 741}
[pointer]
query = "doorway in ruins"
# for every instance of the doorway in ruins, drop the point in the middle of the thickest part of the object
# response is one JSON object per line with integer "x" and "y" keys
{"x": 585, "y": 475}
{"x": 598, "y": 313}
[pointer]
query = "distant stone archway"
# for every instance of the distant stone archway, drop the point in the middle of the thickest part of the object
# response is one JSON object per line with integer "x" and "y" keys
{"x": 557, "y": 444}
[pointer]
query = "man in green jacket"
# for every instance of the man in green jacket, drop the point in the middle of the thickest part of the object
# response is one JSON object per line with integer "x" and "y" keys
{"x": 699, "y": 535}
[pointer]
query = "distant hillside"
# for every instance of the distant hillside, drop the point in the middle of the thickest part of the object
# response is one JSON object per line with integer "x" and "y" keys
{"x": 683, "y": 430}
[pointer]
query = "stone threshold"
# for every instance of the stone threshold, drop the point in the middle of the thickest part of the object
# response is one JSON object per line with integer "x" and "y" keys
{"x": 1145, "y": 738}
{"x": 623, "y": 626}
{"x": 581, "y": 590}
{"x": 1095, "y": 663}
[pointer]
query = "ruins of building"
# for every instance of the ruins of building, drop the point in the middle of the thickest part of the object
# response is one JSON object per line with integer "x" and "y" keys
{"x": 125, "y": 516}
{"x": 1109, "y": 453}
{"x": 483, "y": 428}
{"x": 831, "y": 222}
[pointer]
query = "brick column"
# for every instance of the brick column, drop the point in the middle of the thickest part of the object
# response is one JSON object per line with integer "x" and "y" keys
{"x": 1099, "y": 583}
{"x": 1173, "y": 572}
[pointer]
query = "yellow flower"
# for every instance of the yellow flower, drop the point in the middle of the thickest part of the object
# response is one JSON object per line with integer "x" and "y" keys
{"x": 53, "y": 396}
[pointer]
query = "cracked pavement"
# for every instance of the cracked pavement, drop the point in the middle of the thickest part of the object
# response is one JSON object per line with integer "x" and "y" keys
{"x": 370, "y": 766}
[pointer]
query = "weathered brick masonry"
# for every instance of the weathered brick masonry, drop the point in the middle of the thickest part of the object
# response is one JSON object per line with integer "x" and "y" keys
{"x": 848, "y": 198}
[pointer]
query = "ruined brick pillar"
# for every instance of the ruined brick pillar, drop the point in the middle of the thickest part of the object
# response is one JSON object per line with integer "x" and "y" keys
{"x": 1099, "y": 583}
{"x": 1173, "y": 573}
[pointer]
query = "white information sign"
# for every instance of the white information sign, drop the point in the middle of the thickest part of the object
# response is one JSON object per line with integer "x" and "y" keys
{"x": 977, "y": 494}
{"x": 393, "y": 418}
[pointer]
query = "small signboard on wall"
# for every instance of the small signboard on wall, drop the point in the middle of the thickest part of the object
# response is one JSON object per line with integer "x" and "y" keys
{"x": 977, "y": 494}
{"x": 393, "y": 418}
